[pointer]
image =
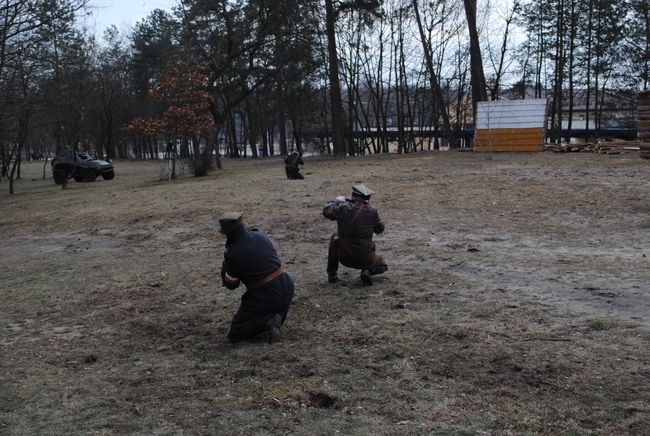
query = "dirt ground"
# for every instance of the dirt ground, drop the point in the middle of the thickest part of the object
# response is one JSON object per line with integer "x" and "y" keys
{"x": 516, "y": 300}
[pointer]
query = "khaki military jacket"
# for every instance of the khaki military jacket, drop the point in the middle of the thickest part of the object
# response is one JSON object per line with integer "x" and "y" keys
{"x": 356, "y": 221}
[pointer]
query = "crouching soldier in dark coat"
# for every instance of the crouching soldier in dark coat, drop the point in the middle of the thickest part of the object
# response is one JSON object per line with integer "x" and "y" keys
{"x": 291, "y": 166}
{"x": 352, "y": 245}
{"x": 250, "y": 258}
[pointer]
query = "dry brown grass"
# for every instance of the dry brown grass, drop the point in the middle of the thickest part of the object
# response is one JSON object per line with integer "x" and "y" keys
{"x": 516, "y": 301}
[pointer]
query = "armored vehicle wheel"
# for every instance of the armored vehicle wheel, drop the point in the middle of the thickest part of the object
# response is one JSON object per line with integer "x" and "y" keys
{"x": 109, "y": 175}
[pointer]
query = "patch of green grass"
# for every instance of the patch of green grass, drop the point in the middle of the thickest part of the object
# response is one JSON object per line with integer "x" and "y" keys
{"x": 126, "y": 425}
{"x": 10, "y": 402}
{"x": 453, "y": 432}
{"x": 598, "y": 324}
{"x": 529, "y": 424}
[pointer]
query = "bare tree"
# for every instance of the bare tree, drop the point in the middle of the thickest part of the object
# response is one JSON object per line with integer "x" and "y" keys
{"x": 438, "y": 97}
{"x": 499, "y": 64}
{"x": 338, "y": 136}
{"x": 26, "y": 29}
{"x": 477, "y": 76}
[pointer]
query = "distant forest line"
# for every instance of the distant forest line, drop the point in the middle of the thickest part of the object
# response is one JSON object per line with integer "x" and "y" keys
{"x": 215, "y": 77}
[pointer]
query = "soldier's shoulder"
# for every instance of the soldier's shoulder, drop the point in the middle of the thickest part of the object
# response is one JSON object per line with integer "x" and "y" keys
{"x": 257, "y": 234}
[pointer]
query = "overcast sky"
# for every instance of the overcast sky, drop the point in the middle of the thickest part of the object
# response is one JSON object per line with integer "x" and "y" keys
{"x": 122, "y": 13}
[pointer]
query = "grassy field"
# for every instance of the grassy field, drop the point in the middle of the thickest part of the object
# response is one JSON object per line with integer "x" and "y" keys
{"x": 516, "y": 301}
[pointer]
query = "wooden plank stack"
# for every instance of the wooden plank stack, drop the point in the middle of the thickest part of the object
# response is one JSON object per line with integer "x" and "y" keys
{"x": 616, "y": 147}
{"x": 643, "y": 107}
{"x": 600, "y": 147}
{"x": 566, "y": 147}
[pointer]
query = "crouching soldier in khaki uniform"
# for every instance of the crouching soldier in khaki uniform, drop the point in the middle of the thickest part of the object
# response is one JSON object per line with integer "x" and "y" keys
{"x": 352, "y": 245}
{"x": 250, "y": 258}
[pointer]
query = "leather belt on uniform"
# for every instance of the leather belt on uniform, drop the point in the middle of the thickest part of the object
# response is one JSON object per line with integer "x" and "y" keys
{"x": 264, "y": 280}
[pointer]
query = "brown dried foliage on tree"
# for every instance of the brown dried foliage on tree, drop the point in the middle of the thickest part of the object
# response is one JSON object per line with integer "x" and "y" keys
{"x": 183, "y": 87}
{"x": 141, "y": 128}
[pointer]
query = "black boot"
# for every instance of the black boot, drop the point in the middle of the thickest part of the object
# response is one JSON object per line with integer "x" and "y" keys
{"x": 274, "y": 328}
{"x": 365, "y": 277}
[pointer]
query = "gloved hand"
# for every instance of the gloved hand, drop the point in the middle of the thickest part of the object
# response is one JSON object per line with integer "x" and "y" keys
{"x": 228, "y": 281}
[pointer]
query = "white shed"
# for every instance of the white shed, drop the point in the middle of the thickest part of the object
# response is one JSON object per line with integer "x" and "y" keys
{"x": 510, "y": 125}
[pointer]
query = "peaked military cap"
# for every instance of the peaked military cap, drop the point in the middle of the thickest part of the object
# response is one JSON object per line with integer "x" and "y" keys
{"x": 230, "y": 221}
{"x": 361, "y": 191}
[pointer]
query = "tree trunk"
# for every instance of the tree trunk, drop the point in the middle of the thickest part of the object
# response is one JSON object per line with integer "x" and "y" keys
{"x": 558, "y": 86}
{"x": 588, "y": 55}
{"x": 476, "y": 63}
{"x": 338, "y": 136}
{"x": 282, "y": 132}
{"x": 570, "y": 72}
{"x": 398, "y": 84}
{"x": 438, "y": 98}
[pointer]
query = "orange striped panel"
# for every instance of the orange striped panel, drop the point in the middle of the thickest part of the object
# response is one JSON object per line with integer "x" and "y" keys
{"x": 529, "y": 139}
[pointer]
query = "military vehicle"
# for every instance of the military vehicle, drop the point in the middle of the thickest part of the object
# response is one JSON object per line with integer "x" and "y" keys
{"x": 80, "y": 166}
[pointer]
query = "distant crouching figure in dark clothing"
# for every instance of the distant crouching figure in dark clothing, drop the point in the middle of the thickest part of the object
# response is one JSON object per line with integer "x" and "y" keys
{"x": 291, "y": 166}
{"x": 352, "y": 244}
{"x": 250, "y": 258}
